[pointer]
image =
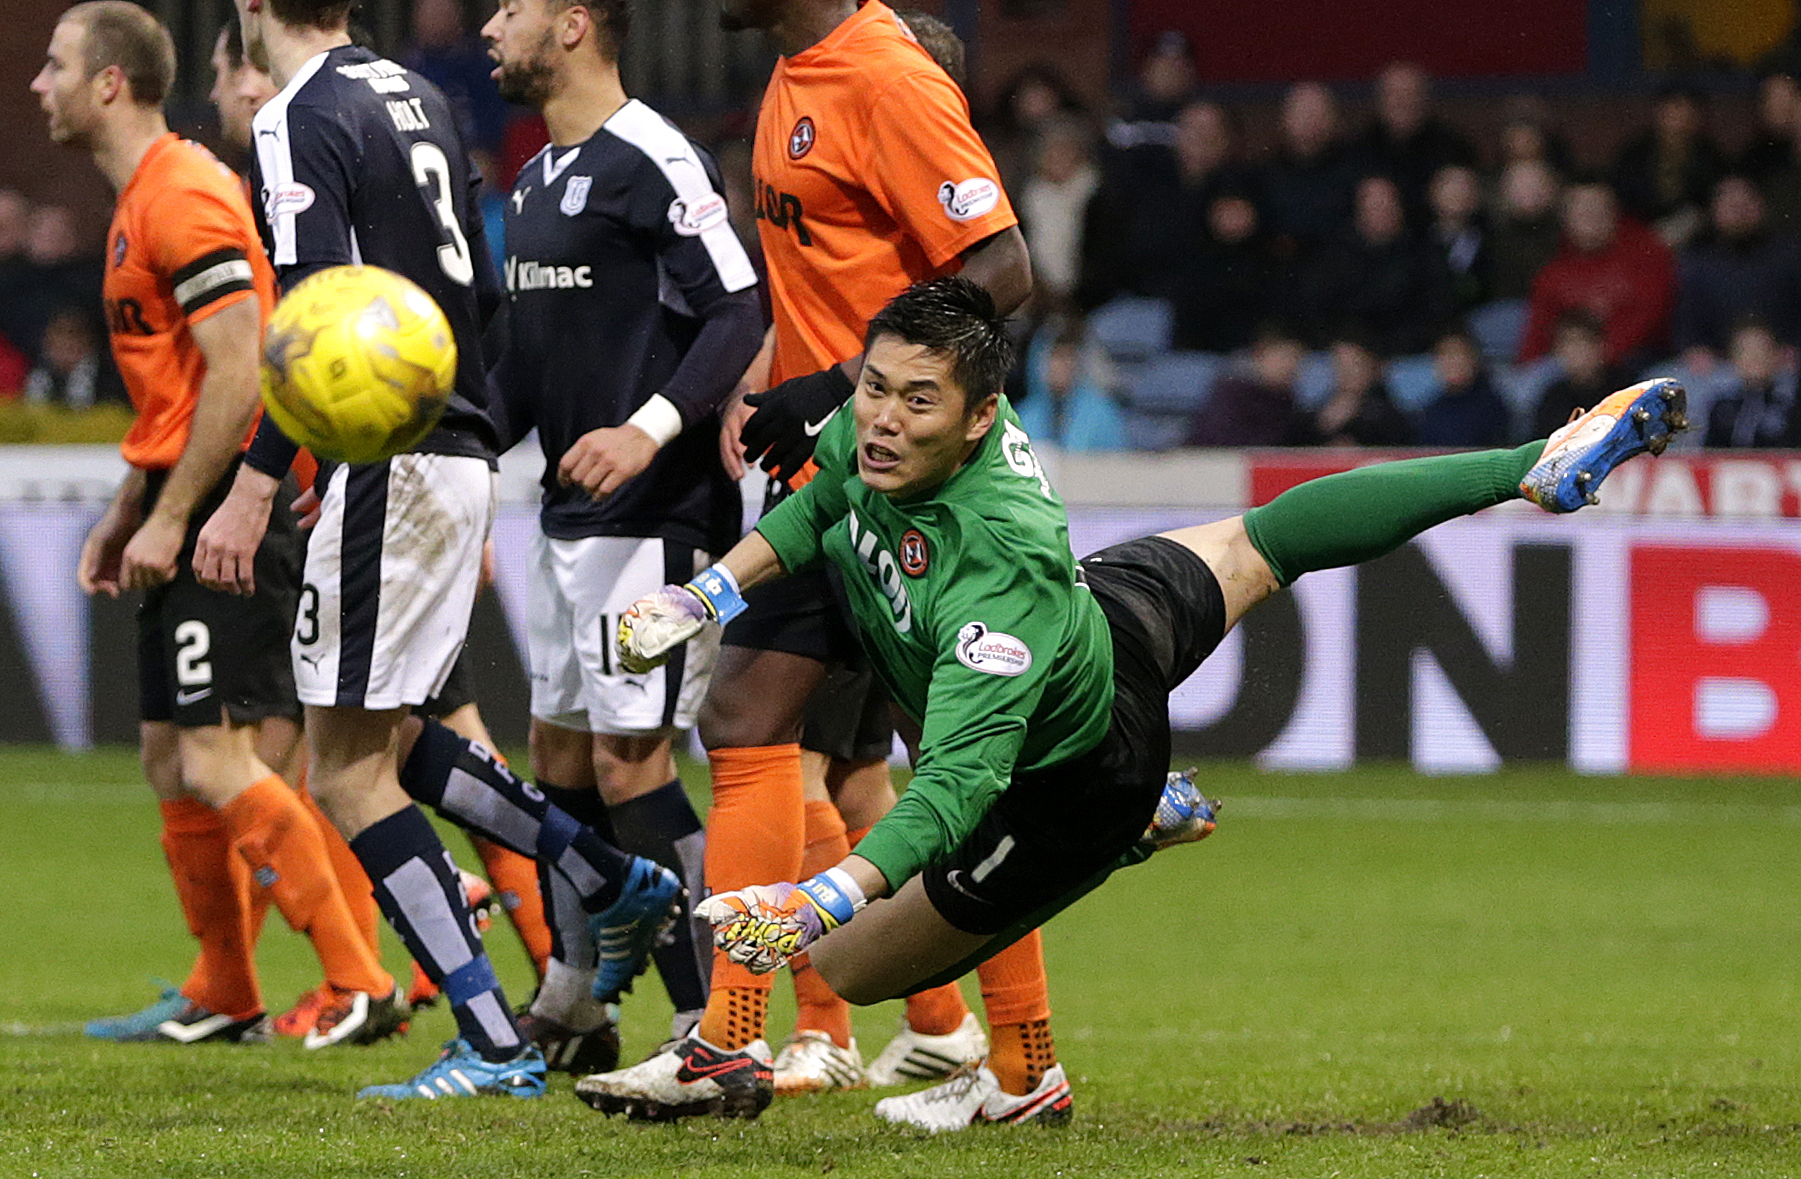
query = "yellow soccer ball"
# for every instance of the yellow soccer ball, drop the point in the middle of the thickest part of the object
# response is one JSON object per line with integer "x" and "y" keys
{"x": 358, "y": 363}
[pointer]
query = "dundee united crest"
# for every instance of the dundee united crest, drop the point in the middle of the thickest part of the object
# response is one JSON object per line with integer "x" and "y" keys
{"x": 914, "y": 555}
{"x": 800, "y": 140}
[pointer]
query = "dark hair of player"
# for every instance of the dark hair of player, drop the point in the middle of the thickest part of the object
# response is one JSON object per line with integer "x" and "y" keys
{"x": 955, "y": 316}
{"x": 234, "y": 43}
{"x": 939, "y": 40}
{"x": 329, "y": 15}
{"x": 119, "y": 33}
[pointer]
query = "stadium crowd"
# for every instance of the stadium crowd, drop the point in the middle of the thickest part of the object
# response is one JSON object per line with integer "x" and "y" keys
{"x": 1375, "y": 278}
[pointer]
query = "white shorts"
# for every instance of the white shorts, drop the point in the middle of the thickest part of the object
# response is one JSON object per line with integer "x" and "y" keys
{"x": 579, "y": 589}
{"x": 391, "y": 573}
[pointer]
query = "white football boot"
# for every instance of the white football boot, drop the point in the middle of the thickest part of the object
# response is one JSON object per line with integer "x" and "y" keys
{"x": 974, "y": 1095}
{"x": 687, "y": 1078}
{"x": 811, "y": 1063}
{"x": 916, "y": 1056}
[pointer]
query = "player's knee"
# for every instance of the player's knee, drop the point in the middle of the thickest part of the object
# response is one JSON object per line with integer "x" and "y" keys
{"x": 851, "y": 980}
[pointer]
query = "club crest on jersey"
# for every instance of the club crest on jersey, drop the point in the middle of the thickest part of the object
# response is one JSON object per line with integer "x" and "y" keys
{"x": 993, "y": 652}
{"x": 965, "y": 200}
{"x": 914, "y": 556}
{"x": 800, "y": 140}
{"x": 119, "y": 247}
{"x": 575, "y": 194}
{"x": 693, "y": 218}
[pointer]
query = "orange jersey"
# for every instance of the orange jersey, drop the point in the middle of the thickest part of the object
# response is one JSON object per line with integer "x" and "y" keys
{"x": 869, "y": 178}
{"x": 182, "y": 246}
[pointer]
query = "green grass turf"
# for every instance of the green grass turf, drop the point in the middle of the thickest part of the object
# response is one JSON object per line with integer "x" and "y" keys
{"x": 1363, "y": 975}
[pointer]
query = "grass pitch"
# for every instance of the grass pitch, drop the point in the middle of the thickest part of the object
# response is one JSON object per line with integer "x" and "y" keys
{"x": 1362, "y": 975}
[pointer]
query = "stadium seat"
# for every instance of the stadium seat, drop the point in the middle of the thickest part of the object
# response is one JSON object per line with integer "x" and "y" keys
{"x": 1164, "y": 394}
{"x": 1412, "y": 382}
{"x": 1499, "y": 327}
{"x": 1314, "y": 384}
{"x": 1132, "y": 328}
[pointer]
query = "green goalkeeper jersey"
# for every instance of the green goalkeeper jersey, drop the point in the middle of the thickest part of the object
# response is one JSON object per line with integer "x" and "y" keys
{"x": 970, "y": 604}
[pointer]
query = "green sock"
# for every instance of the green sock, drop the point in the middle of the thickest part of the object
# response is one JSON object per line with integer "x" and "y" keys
{"x": 1359, "y": 515}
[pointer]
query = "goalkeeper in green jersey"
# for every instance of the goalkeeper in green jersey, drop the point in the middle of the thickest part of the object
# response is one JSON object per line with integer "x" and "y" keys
{"x": 1040, "y": 683}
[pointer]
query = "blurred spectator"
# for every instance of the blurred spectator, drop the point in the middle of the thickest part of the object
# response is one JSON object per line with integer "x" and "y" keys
{"x": 1036, "y": 95}
{"x": 1757, "y": 405}
{"x": 1308, "y": 184}
{"x": 1165, "y": 83}
{"x": 1229, "y": 283}
{"x": 1359, "y": 411}
{"x": 1146, "y": 225}
{"x": 1407, "y": 142}
{"x": 1063, "y": 405}
{"x": 1772, "y": 144}
{"x": 1527, "y": 230}
{"x": 15, "y": 272}
{"x": 1529, "y": 133}
{"x": 1462, "y": 237}
{"x": 1737, "y": 268}
{"x": 1052, "y": 204}
{"x": 1612, "y": 266}
{"x": 58, "y": 273}
{"x": 69, "y": 371}
{"x": 1255, "y": 405}
{"x": 1468, "y": 410}
{"x": 1665, "y": 175}
{"x": 1379, "y": 276}
{"x": 449, "y": 53}
{"x": 1581, "y": 350}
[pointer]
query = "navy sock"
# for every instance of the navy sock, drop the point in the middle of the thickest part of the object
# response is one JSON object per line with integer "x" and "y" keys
{"x": 419, "y": 891}
{"x": 662, "y": 826}
{"x": 466, "y": 785}
{"x": 570, "y": 941}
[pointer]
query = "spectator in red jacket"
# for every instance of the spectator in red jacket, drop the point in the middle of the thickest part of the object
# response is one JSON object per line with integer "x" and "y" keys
{"x": 1611, "y": 266}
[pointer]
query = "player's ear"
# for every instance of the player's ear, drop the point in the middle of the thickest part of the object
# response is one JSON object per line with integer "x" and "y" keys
{"x": 981, "y": 418}
{"x": 575, "y": 23}
{"x": 109, "y": 83}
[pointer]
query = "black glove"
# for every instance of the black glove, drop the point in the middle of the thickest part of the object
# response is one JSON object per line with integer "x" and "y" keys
{"x": 781, "y": 434}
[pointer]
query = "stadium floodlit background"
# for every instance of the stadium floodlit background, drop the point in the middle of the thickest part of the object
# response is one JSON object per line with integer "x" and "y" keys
{"x": 1190, "y": 174}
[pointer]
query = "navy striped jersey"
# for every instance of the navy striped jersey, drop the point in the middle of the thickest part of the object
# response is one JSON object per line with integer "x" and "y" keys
{"x": 358, "y": 160}
{"x": 617, "y": 250}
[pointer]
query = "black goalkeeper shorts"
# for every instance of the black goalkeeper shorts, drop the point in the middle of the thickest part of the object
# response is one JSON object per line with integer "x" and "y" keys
{"x": 204, "y": 655}
{"x": 1056, "y": 832}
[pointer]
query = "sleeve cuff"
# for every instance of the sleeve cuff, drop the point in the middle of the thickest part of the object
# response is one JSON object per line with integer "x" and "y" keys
{"x": 658, "y": 418}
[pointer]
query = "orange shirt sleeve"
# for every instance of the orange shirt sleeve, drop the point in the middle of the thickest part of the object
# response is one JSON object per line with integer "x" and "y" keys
{"x": 929, "y": 169}
{"x": 203, "y": 242}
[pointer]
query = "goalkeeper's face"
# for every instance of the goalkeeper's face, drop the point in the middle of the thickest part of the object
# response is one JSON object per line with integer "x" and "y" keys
{"x": 915, "y": 426}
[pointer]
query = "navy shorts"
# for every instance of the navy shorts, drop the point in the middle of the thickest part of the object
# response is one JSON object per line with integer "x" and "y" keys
{"x": 204, "y": 655}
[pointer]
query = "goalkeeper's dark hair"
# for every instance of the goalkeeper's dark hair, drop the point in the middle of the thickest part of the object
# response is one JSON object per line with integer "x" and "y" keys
{"x": 955, "y": 316}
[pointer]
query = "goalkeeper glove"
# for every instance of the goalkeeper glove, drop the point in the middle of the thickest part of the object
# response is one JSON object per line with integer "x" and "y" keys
{"x": 763, "y": 926}
{"x": 781, "y": 434}
{"x": 658, "y": 623}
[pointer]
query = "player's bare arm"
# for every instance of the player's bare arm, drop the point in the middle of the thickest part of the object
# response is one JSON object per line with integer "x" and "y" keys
{"x": 228, "y": 339}
{"x": 1001, "y": 266}
{"x": 225, "y": 551}
{"x": 98, "y": 570}
{"x": 734, "y": 413}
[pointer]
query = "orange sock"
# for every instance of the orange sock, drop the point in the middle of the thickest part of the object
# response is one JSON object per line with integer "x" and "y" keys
{"x": 353, "y": 882}
{"x": 939, "y": 1011}
{"x": 224, "y": 977}
{"x": 287, "y": 855}
{"x": 515, "y": 879}
{"x": 755, "y": 833}
{"x": 818, "y": 1009}
{"x": 1017, "y": 997}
